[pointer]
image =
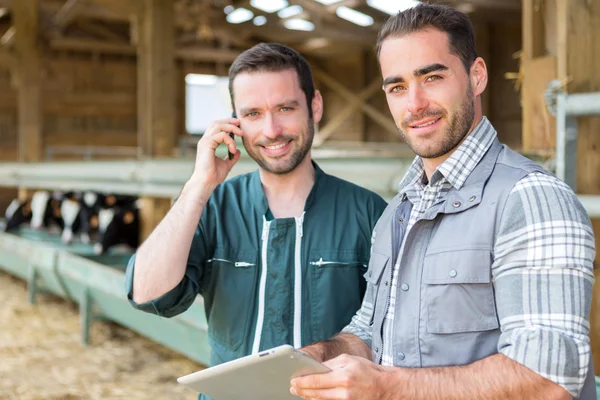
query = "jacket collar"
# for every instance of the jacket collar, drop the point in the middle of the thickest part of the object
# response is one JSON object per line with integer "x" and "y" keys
{"x": 259, "y": 198}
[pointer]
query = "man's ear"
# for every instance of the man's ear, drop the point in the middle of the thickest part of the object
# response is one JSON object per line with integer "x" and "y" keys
{"x": 317, "y": 107}
{"x": 479, "y": 76}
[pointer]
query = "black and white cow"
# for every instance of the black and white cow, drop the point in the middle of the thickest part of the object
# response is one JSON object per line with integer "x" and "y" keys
{"x": 70, "y": 209}
{"x": 118, "y": 226}
{"x": 17, "y": 214}
{"x": 45, "y": 209}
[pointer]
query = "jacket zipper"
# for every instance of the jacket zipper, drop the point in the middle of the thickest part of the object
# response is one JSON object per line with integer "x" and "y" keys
{"x": 239, "y": 264}
{"x": 262, "y": 287}
{"x": 321, "y": 263}
{"x": 298, "y": 284}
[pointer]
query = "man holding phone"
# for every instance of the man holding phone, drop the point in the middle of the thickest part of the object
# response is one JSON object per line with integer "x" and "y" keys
{"x": 279, "y": 254}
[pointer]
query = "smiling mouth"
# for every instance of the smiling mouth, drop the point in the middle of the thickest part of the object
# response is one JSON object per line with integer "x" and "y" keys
{"x": 276, "y": 146}
{"x": 426, "y": 123}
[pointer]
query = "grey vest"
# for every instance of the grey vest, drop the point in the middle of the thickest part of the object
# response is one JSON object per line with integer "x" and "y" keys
{"x": 445, "y": 310}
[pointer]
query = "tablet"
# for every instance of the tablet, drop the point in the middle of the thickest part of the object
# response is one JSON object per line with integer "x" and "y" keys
{"x": 264, "y": 376}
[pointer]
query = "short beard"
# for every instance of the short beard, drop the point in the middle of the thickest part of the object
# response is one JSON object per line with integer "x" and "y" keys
{"x": 295, "y": 159}
{"x": 459, "y": 127}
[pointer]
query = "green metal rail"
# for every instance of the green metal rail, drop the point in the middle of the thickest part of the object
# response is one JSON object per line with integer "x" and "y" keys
{"x": 96, "y": 283}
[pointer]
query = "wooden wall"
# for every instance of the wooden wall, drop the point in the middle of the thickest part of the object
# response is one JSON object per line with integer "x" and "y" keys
{"x": 89, "y": 101}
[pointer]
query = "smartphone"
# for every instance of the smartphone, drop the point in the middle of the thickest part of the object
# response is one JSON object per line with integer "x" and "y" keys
{"x": 231, "y": 135}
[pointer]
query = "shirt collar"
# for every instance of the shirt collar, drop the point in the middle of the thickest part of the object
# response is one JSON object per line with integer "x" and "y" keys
{"x": 260, "y": 199}
{"x": 457, "y": 168}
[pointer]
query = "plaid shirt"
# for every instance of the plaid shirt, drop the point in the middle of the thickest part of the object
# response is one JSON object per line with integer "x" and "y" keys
{"x": 542, "y": 264}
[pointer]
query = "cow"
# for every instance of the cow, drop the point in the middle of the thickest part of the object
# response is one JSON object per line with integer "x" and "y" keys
{"x": 17, "y": 214}
{"x": 45, "y": 209}
{"x": 117, "y": 226}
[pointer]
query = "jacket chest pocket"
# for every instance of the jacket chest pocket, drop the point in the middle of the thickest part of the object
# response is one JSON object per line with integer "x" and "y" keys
{"x": 337, "y": 288}
{"x": 458, "y": 292}
{"x": 231, "y": 296}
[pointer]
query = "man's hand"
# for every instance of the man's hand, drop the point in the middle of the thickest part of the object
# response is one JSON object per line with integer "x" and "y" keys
{"x": 210, "y": 170}
{"x": 351, "y": 378}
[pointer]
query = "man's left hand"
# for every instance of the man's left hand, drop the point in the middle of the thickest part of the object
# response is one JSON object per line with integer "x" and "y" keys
{"x": 350, "y": 378}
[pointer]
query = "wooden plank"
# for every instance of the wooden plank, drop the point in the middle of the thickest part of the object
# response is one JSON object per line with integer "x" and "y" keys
{"x": 67, "y": 13}
{"x": 90, "y": 45}
{"x": 8, "y": 39}
{"x": 124, "y": 8}
{"x": 202, "y": 54}
{"x": 6, "y": 58}
{"x": 156, "y": 72}
{"x": 156, "y": 96}
{"x": 206, "y": 54}
{"x": 376, "y": 115}
{"x": 26, "y": 20}
{"x": 100, "y": 30}
{"x": 540, "y": 130}
{"x": 340, "y": 117}
{"x": 534, "y": 45}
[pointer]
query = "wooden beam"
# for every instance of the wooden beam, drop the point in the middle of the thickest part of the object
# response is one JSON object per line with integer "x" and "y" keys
{"x": 510, "y": 5}
{"x": 7, "y": 59}
{"x": 89, "y": 9}
{"x": 156, "y": 95}
{"x": 67, "y": 13}
{"x": 26, "y": 20}
{"x": 376, "y": 115}
{"x": 123, "y": 8}
{"x": 342, "y": 116}
{"x": 88, "y": 45}
{"x": 206, "y": 54}
{"x": 534, "y": 46}
{"x": 202, "y": 54}
{"x": 100, "y": 30}
{"x": 156, "y": 72}
{"x": 8, "y": 39}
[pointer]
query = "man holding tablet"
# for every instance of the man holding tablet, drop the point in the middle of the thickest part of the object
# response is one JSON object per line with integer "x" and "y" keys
{"x": 485, "y": 292}
{"x": 279, "y": 254}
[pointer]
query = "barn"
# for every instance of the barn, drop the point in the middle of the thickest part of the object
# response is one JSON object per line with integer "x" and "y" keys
{"x": 102, "y": 106}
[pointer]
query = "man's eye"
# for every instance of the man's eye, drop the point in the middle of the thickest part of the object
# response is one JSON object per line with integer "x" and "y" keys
{"x": 433, "y": 78}
{"x": 285, "y": 109}
{"x": 252, "y": 114}
{"x": 397, "y": 89}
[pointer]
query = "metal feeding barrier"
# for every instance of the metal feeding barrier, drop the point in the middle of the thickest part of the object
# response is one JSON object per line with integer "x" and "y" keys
{"x": 96, "y": 283}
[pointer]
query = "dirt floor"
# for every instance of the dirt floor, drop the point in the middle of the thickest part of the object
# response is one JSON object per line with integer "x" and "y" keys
{"x": 41, "y": 355}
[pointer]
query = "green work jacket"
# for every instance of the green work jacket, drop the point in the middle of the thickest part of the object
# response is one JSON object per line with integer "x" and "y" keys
{"x": 267, "y": 282}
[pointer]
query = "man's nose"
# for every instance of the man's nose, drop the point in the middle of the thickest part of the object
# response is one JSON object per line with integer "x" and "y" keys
{"x": 417, "y": 101}
{"x": 271, "y": 128}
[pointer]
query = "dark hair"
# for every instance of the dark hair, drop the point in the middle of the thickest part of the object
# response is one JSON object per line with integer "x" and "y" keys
{"x": 274, "y": 57}
{"x": 457, "y": 25}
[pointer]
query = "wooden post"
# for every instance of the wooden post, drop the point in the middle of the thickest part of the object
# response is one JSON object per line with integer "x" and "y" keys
{"x": 156, "y": 95}
{"x": 28, "y": 71}
{"x": 578, "y": 53}
{"x": 538, "y": 68}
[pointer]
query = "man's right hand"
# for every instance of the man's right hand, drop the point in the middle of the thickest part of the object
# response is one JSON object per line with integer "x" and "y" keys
{"x": 211, "y": 170}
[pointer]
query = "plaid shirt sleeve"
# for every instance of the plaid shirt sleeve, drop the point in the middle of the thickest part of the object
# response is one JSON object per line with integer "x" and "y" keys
{"x": 361, "y": 322}
{"x": 543, "y": 276}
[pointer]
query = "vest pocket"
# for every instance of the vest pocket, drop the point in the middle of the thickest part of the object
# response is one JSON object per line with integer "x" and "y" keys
{"x": 231, "y": 295}
{"x": 458, "y": 292}
{"x": 373, "y": 276}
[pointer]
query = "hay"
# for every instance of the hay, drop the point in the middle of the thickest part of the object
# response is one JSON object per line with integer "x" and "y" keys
{"x": 41, "y": 356}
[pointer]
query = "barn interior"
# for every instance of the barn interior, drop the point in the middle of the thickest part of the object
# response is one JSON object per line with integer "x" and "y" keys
{"x": 95, "y": 96}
